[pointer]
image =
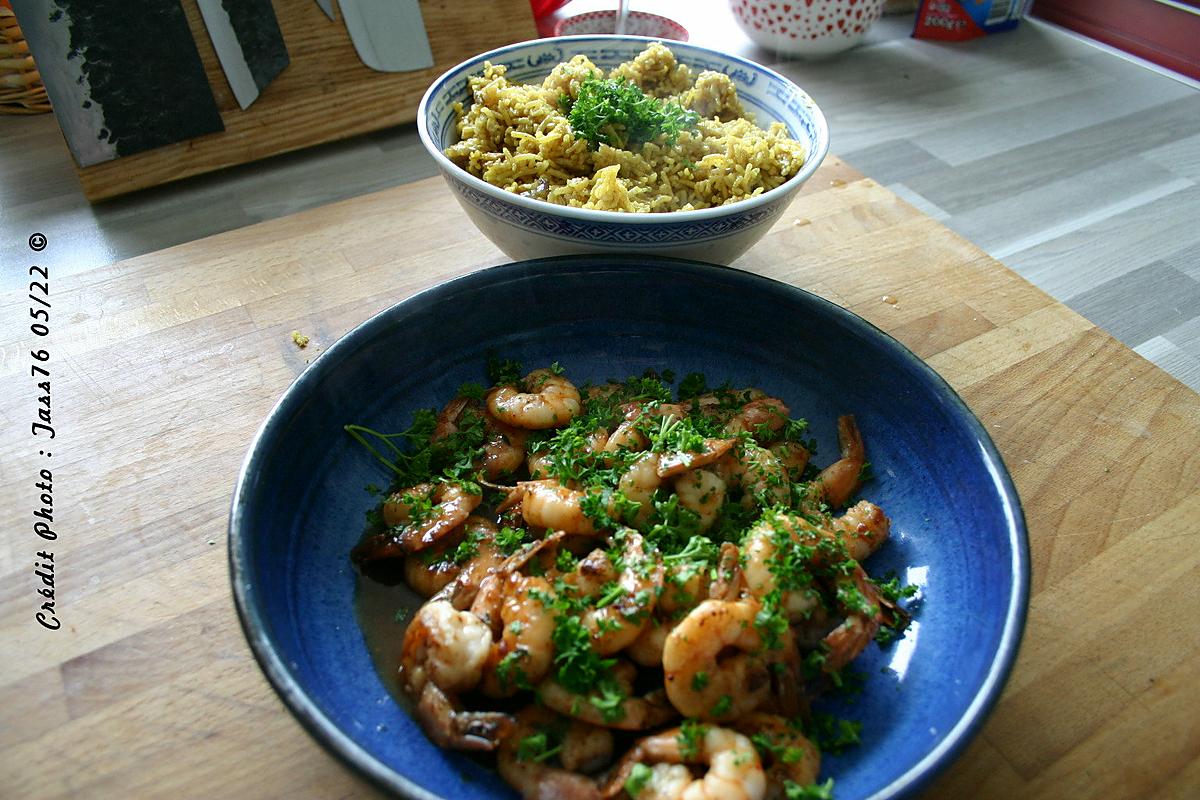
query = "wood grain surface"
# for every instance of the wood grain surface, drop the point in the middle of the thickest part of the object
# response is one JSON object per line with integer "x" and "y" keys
{"x": 326, "y": 92}
{"x": 164, "y": 366}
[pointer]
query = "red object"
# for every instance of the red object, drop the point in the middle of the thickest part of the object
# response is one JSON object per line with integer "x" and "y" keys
{"x": 544, "y": 8}
{"x": 945, "y": 21}
{"x": 1169, "y": 37}
{"x": 639, "y": 23}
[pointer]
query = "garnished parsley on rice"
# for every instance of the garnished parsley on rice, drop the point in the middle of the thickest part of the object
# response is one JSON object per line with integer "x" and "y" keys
{"x": 651, "y": 135}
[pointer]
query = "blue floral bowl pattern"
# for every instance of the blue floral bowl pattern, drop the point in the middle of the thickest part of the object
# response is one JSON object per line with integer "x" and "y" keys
{"x": 526, "y": 228}
{"x": 957, "y": 528}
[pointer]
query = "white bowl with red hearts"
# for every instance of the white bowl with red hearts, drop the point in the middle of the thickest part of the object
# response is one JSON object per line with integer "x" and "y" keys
{"x": 806, "y": 28}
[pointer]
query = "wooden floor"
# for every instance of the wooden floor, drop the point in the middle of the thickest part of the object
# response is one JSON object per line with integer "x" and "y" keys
{"x": 1077, "y": 168}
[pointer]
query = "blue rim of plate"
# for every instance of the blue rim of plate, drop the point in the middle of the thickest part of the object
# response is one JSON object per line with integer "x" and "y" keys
{"x": 349, "y": 752}
{"x": 813, "y": 159}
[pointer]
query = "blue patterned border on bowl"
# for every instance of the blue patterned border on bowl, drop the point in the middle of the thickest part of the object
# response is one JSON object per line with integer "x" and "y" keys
{"x": 620, "y": 233}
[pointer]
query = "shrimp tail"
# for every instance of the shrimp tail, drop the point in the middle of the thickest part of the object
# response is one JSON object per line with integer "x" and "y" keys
{"x": 840, "y": 480}
{"x": 451, "y": 727}
{"x": 729, "y": 574}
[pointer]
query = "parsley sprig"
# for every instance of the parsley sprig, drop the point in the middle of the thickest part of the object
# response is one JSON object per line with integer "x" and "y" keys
{"x": 617, "y": 113}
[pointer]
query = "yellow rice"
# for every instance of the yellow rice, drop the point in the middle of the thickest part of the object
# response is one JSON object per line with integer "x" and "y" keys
{"x": 515, "y": 136}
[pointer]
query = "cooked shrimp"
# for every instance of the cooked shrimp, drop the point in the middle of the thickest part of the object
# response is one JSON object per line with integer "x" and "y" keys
{"x": 414, "y": 524}
{"x": 854, "y": 595}
{"x": 735, "y": 771}
{"x": 684, "y": 586}
{"x": 758, "y": 472}
{"x": 631, "y": 597}
{"x": 548, "y": 504}
{"x": 863, "y": 529}
{"x": 503, "y": 446}
{"x": 429, "y": 571}
{"x": 586, "y": 748}
{"x": 443, "y": 654}
{"x": 700, "y": 490}
{"x": 629, "y": 435}
{"x": 602, "y": 390}
{"x": 793, "y": 456}
{"x": 539, "y": 462}
{"x": 412, "y": 528}
{"x": 840, "y": 480}
{"x": 679, "y": 461}
{"x": 503, "y": 449}
{"x": 728, "y": 581}
{"x": 448, "y": 725}
{"x": 447, "y": 418}
{"x": 767, "y": 547}
{"x": 689, "y": 585}
{"x": 626, "y": 436}
{"x": 445, "y": 646}
{"x": 701, "y": 680}
{"x": 427, "y": 578}
{"x": 549, "y": 401}
{"x": 630, "y": 713}
{"x": 724, "y": 405}
{"x": 524, "y": 652}
{"x": 536, "y": 779}
{"x": 761, "y": 417}
{"x": 538, "y": 465}
{"x": 791, "y": 756}
{"x": 859, "y": 599}
{"x": 639, "y": 483}
{"x": 647, "y": 648}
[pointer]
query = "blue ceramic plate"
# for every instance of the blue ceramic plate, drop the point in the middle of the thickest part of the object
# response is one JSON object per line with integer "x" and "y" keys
{"x": 958, "y": 531}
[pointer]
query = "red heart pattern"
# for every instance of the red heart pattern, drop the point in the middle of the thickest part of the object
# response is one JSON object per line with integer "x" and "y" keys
{"x": 773, "y": 24}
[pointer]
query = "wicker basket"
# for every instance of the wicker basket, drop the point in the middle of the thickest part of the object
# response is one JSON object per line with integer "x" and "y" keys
{"x": 21, "y": 89}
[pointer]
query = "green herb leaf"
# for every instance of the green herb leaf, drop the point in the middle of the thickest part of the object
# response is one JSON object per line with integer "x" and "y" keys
{"x": 691, "y": 736}
{"x": 619, "y": 114}
{"x": 536, "y": 748}
{"x": 814, "y": 791}
{"x": 639, "y": 776}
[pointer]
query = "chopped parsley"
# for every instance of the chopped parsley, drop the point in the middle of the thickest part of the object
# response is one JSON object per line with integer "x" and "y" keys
{"x": 537, "y": 748}
{"x": 768, "y": 747}
{"x": 832, "y": 734}
{"x": 639, "y": 776}
{"x": 578, "y": 668}
{"x": 468, "y": 548}
{"x": 813, "y": 791}
{"x": 510, "y": 539}
{"x": 691, "y": 737}
{"x": 509, "y": 671}
{"x": 771, "y": 620}
{"x": 617, "y": 113}
{"x": 503, "y": 371}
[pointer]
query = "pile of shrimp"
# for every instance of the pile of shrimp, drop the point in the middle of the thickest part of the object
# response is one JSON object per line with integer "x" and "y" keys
{"x": 615, "y": 569}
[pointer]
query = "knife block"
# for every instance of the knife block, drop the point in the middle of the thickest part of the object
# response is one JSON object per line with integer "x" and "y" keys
{"x": 326, "y": 93}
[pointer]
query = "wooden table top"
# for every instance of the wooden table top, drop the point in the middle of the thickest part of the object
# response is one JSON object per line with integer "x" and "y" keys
{"x": 164, "y": 366}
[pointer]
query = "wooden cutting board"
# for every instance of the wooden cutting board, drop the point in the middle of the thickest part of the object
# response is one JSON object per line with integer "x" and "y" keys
{"x": 164, "y": 366}
{"x": 326, "y": 93}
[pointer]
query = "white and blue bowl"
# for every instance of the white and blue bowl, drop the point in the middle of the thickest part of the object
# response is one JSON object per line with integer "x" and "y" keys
{"x": 957, "y": 528}
{"x": 527, "y": 228}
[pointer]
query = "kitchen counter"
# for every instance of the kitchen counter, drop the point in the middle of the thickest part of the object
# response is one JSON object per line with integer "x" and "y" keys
{"x": 164, "y": 365}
